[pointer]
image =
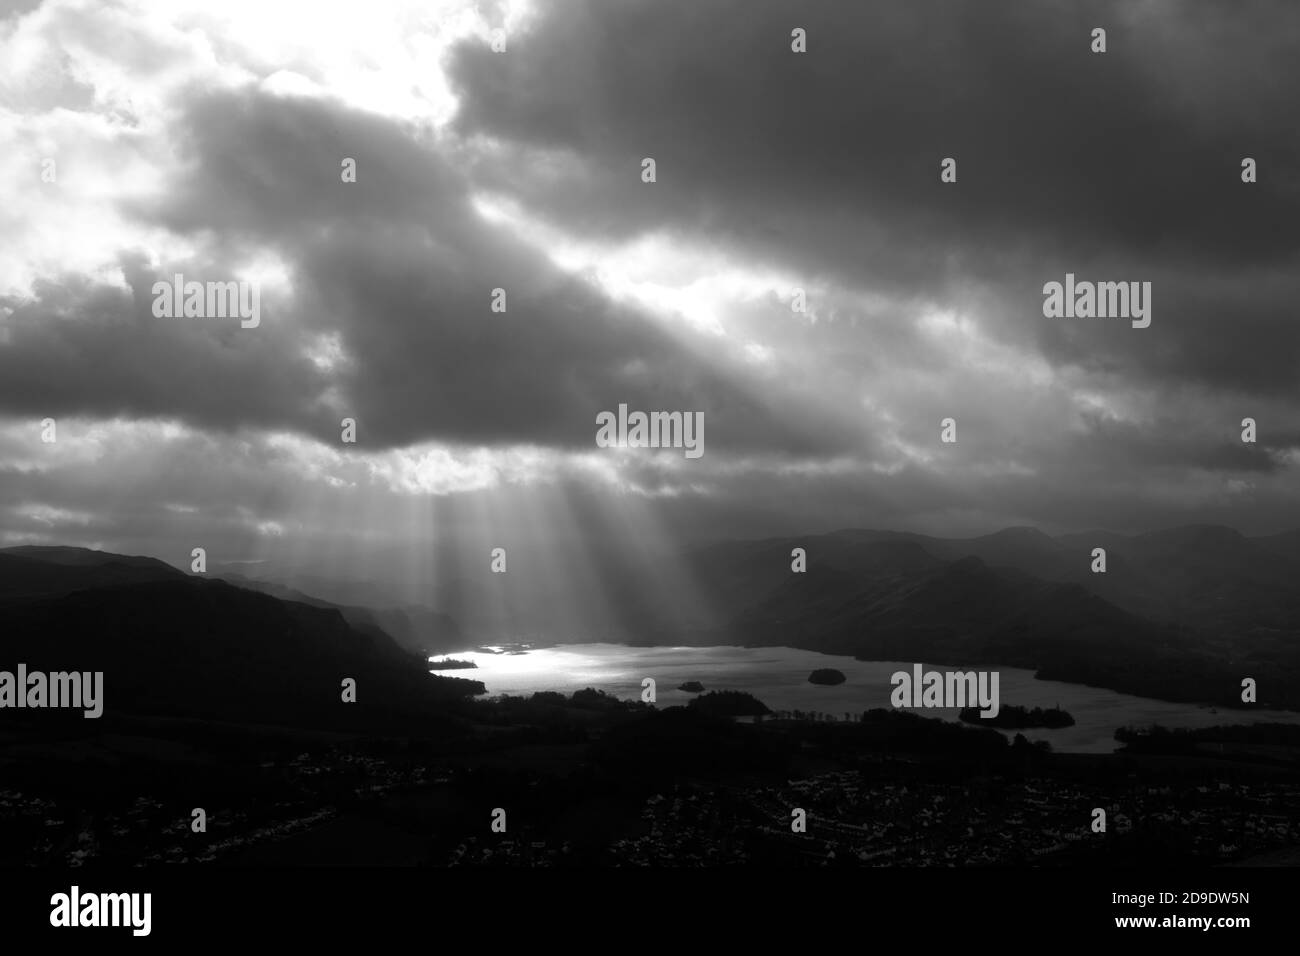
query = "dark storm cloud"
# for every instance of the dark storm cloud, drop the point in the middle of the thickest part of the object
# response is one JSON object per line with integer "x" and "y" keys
{"x": 85, "y": 348}
{"x": 925, "y": 299}
{"x": 401, "y": 269}
{"x": 1168, "y": 442}
{"x": 1123, "y": 165}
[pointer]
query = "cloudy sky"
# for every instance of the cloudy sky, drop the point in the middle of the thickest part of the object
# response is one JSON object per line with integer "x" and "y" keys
{"x": 207, "y": 139}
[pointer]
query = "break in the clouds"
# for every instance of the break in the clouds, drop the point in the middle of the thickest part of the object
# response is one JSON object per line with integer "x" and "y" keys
{"x": 207, "y": 142}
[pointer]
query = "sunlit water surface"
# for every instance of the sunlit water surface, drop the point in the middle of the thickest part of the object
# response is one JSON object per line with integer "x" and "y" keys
{"x": 778, "y": 676}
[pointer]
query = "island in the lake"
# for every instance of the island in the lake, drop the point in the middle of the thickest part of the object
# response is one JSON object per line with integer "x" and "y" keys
{"x": 826, "y": 675}
{"x": 450, "y": 664}
{"x": 1011, "y": 716}
{"x": 691, "y": 686}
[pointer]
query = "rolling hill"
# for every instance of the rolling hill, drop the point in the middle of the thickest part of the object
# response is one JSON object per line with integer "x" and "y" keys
{"x": 172, "y": 644}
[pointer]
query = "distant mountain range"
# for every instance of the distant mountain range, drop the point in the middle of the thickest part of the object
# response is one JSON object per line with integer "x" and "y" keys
{"x": 1201, "y": 576}
{"x": 1181, "y": 614}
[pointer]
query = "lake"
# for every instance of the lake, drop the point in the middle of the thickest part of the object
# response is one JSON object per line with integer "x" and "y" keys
{"x": 778, "y": 676}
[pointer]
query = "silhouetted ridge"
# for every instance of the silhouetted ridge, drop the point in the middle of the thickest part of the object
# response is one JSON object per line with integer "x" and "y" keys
{"x": 31, "y": 571}
{"x": 84, "y": 557}
{"x": 201, "y": 648}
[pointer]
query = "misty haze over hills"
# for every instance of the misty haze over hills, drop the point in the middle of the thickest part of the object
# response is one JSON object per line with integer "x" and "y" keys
{"x": 1180, "y": 614}
{"x": 1202, "y": 577}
